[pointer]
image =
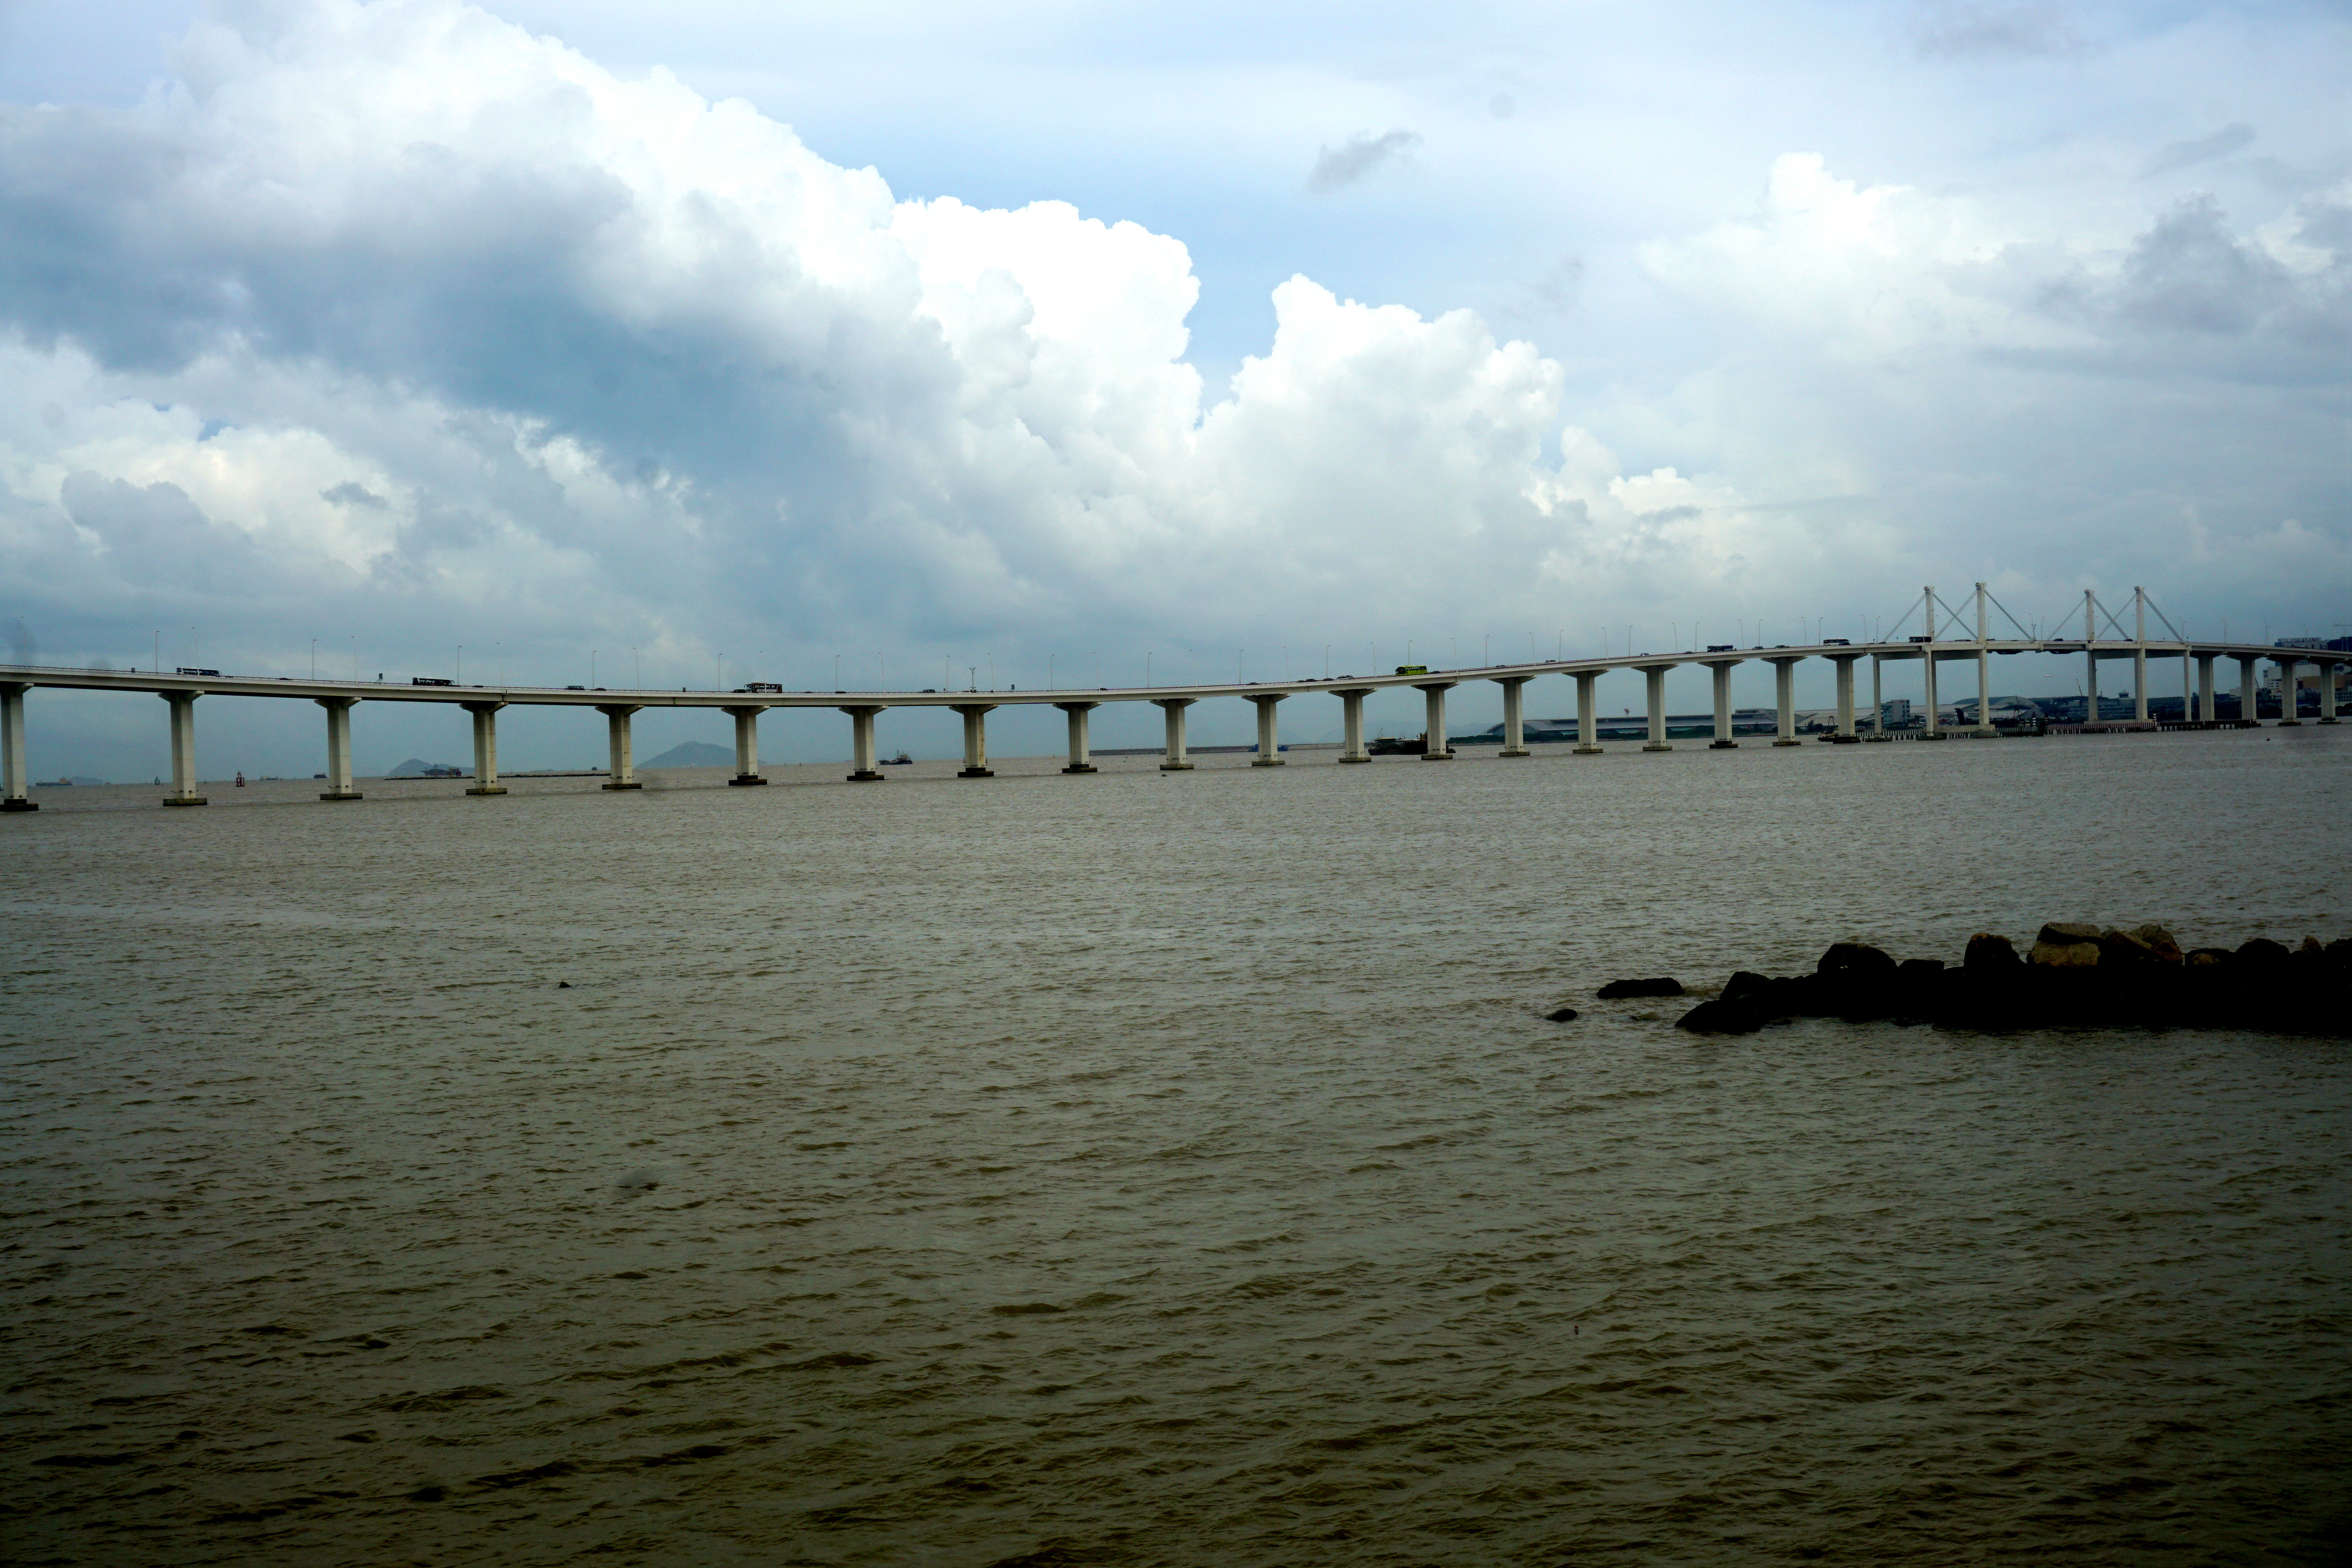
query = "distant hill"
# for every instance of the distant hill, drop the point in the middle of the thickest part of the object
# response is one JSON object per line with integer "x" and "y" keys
{"x": 693, "y": 755}
{"x": 417, "y": 767}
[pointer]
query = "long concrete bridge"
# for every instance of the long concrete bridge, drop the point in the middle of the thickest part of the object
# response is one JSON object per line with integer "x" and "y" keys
{"x": 1935, "y": 649}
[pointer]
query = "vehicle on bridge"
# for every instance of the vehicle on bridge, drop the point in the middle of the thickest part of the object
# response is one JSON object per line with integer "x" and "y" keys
{"x": 1412, "y": 669}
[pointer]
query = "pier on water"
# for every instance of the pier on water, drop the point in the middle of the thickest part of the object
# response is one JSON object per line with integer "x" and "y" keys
{"x": 1948, "y": 639}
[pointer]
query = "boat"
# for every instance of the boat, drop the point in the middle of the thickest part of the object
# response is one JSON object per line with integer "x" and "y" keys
{"x": 901, "y": 761}
{"x": 1389, "y": 746}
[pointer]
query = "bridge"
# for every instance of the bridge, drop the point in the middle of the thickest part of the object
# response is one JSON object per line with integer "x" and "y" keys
{"x": 1936, "y": 646}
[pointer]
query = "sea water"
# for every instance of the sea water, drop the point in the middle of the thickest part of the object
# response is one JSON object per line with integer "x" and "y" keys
{"x": 1150, "y": 1168}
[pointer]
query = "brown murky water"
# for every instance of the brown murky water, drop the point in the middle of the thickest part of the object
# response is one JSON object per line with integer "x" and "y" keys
{"x": 1163, "y": 1170}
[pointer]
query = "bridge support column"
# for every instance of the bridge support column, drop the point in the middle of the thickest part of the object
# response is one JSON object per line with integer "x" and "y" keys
{"x": 1877, "y": 697}
{"x": 2249, "y": 691}
{"x": 1784, "y": 699}
{"x": 184, "y": 749}
{"x": 1352, "y": 712}
{"x": 2205, "y": 687}
{"x": 1984, "y": 692}
{"x": 339, "y": 748}
{"x": 1515, "y": 725}
{"x": 2290, "y": 711}
{"x": 1269, "y": 748}
{"x": 1435, "y": 749}
{"x": 2326, "y": 693}
{"x": 616, "y": 731}
{"x": 1843, "y": 664}
{"x": 2139, "y": 685}
{"x": 16, "y": 782}
{"x": 1586, "y": 721}
{"x": 1082, "y": 754}
{"x": 1723, "y": 740}
{"x": 975, "y": 741}
{"x": 15, "y": 779}
{"x": 1935, "y": 730}
{"x": 1173, "y": 706}
{"x": 2091, "y": 684}
{"x": 747, "y": 744}
{"x": 861, "y": 744}
{"x": 1656, "y": 676}
{"x": 486, "y": 748}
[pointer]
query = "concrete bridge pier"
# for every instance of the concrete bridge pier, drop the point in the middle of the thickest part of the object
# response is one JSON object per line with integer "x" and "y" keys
{"x": 975, "y": 741}
{"x": 2204, "y": 687}
{"x": 2091, "y": 684}
{"x": 747, "y": 744}
{"x": 16, "y": 783}
{"x": 184, "y": 749}
{"x": 1984, "y": 693}
{"x": 1877, "y": 698}
{"x": 1935, "y": 730}
{"x": 861, "y": 743}
{"x": 1269, "y": 749}
{"x": 616, "y": 730}
{"x": 2326, "y": 692}
{"x": 1784, "y": 697}
{"x": 1656, "y": 676}
{"x": 1435, "y": 749}
{"x": 1081, "y": 748}
{"x": 1352, "y": 711}
{"x": 1173, "y": 706}
{"x": 1843, "y": 664}
{"x": 1586, "y": 745}
{"x": 2290, "y": 711}
{"x": 2139, "y": 685}
{"x": 339, "y": 748}
{"x": 1723, "y": 740}
{"x": 486, "y": 748}
{"x": 1515, "y": 728}
{"x": 2250, "y": 674}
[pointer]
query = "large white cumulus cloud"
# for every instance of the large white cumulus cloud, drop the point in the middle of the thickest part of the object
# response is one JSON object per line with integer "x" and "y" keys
{"x": 401, "y": 313}
{"x": 395, "y": 322}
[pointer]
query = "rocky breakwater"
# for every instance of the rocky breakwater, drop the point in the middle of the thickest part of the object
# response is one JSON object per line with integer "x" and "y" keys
{"x": 2080, "y": 975}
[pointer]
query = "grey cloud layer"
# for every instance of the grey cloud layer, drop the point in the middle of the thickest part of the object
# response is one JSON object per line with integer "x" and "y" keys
{"x": 398, "y": 323}
{"x": 1337, "y": 168}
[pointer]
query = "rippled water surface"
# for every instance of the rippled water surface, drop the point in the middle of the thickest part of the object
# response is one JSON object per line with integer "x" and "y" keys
{"x": 1146, "y": 1169}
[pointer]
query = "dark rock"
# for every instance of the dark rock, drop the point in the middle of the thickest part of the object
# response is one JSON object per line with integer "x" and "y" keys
{"x": 2119, "y": 948}
{"x": 2159, "y": 941}
{"x": 1855, "y": 959}
{"x": 1745, "y": 982}
{"x": 2059, "y": 933}
{"x": 1915, "y": 971}
{"x": 1721, "y": 1017}
{"x": 2065, "y": 955}
{"x": 1660, "y": 986}
{"x": 2207, "y": 957}
{"x": 2261, "y": 951}
{"x": 2340, "y": 952}
{"x": 1562, "y": 1014}
{"x": 2310, "y": 949}
{"x": 1988, "y": 952}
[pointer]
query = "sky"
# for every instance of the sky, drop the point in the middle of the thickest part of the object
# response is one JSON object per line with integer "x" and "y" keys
{"x": 996, "y": 343}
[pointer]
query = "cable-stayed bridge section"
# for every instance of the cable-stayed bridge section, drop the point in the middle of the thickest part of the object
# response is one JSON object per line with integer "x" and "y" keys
{"x": 1947, "y": 638}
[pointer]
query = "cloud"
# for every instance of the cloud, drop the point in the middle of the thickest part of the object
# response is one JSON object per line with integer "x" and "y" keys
{"x": 2231, "y": 137}
{"x": 395, "y": 322}
{"x": 1981, "y": 29}
{"x": 1337, "y": 168}
{"x": 350, "y": 494}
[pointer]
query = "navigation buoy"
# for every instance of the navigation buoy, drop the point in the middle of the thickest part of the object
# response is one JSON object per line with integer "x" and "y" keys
{"x": 240, "y": 780}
